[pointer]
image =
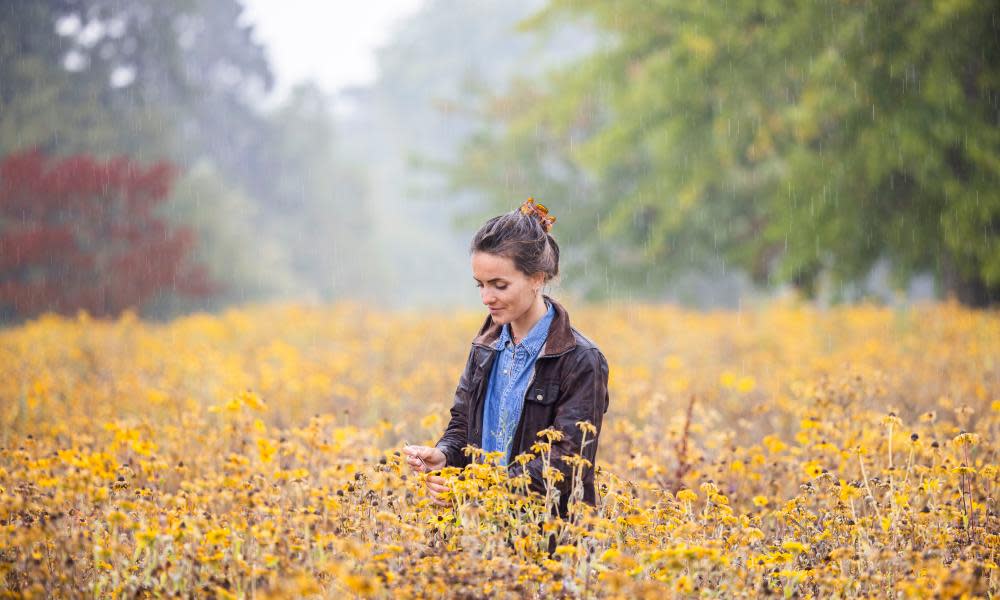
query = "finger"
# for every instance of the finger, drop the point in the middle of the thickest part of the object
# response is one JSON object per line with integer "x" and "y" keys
{"x": 425, "y": 452}
{"x": 437, "y": 483}
{"x": 438, "y": 489}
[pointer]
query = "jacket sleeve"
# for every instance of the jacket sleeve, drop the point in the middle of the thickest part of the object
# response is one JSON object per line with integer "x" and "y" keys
{"x": 583, "y": 396}
{"x": 455, "y": 437}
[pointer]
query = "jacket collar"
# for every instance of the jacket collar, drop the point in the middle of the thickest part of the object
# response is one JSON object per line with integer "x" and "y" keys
{"x": 559, "y": 340}
{"x": 536, "y": 337}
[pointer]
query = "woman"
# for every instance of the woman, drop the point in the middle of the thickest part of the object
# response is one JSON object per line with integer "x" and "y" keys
{"x": 528, "y": 368}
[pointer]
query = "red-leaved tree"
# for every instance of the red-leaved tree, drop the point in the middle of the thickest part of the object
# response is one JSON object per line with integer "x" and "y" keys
{"x": 80, "y": 233}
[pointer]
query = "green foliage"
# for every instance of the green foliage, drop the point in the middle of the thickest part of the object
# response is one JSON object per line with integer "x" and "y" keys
{"x": 789, "y": 139}
{"x": 43, "y": 104}
{"x": 319, "y": 209}
{"x": 278, "y": 210}
{"x": 413, "y": 120}
{"x": 141, "y": 78}
{"x": 244, "y": 265}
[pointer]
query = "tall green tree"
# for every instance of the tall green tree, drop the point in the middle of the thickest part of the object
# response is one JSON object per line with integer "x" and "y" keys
{"x": 244, "y": 264}
{"x": 43, "y": 103}
{"x": 793, "y": 140}
{"x": 145, "y": 78}
{"x": 321, "y": 215}
{"x": 413, "y": 119}
{"x": 277, "y": 211}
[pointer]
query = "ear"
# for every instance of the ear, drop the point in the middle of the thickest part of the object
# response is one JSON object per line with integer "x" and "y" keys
{"x": 538, "y": 280}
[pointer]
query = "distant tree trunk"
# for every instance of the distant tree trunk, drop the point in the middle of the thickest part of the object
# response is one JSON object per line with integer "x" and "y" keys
{"x": 806, "y": 281}
{"x": 969, "y": 290}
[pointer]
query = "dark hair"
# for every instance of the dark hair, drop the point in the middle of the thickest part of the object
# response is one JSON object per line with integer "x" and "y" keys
{"x": 522, "y": 239}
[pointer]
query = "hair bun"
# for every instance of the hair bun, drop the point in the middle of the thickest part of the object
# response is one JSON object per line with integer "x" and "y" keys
{"x": 529, "y": 207}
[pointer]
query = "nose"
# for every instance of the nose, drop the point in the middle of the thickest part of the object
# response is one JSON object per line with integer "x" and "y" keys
{"x": 487, "y": 296}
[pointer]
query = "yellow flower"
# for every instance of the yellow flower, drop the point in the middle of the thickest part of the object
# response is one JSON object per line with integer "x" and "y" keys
{"x": 812, "y": 468}
{"x": 966, "y": 439}
{"x": 146, "y": 537}
{"x": 687, "y": 495}
{"x": 773, "y": 444}
{"x": 239, "y": 497}
{"x": 673, "y": 362}
{"x": 610, "y": 555}
{"x": 267, "y": 450}
{"x": 217, "y": 536}
{"x": 891, "y": 420}
{"x": 885, "y": 523}
{"x": 551, "y": 435}
{"x": 360, "y": 584}
{"x": 727, "y": 379}
{"x": 746, "y": 384}
{"x": 964, "y": 469}
{"x": 221, "y": 592}
{"x": 252, "y": 401}
{"x": 430, "y": 421}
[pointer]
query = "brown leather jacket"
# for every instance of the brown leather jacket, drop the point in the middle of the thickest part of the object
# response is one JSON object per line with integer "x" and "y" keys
{"x": 570, "y": 384}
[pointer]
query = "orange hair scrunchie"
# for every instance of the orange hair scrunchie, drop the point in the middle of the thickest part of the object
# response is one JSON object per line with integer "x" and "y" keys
{"x": 538, "y": 210}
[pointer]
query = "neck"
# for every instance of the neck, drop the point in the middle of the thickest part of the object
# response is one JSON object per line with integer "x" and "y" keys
{"x": 520, "y": 327}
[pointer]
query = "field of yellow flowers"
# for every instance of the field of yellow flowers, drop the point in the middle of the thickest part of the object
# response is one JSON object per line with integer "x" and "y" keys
{"x": 780, "y": 450}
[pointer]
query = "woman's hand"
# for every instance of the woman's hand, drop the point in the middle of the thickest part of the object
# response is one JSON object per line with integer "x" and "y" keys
{"x": 438, "y": 486}
{"x": 424, "y": 459}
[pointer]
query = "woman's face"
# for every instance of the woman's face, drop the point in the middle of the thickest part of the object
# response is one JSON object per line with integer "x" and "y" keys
{"x": 505, "y": 290}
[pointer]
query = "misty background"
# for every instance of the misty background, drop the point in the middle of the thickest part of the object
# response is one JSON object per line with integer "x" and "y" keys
{"x": 178, "y": 156}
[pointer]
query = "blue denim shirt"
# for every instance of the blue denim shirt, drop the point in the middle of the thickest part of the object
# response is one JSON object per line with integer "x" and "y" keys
{"x": 509, "y": 379}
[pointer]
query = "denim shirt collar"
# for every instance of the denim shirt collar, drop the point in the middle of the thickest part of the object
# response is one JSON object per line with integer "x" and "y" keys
{"x": 535, "y": 338}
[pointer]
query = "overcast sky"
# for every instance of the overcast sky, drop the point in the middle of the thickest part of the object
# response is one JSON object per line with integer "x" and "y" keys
{"x": 330, "y": 41}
